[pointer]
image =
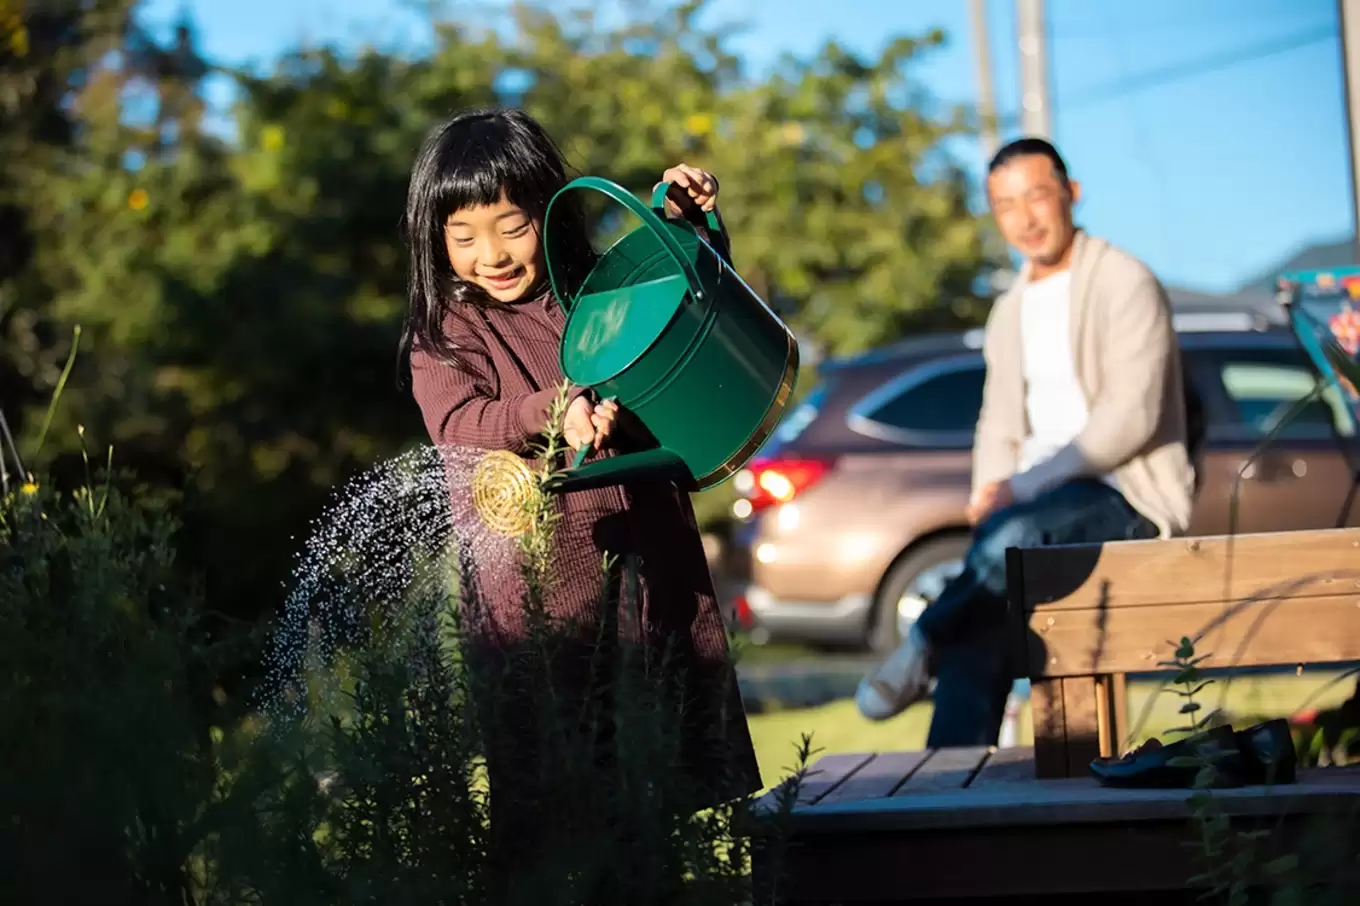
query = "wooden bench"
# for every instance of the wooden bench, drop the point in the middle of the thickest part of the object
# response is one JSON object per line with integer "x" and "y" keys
{"x": 961, "y": 825}
{"x": 1087, "y": 616}
{"x": 1030, "y": 825}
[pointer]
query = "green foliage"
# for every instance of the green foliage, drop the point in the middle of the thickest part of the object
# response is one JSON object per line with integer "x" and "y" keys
{"x": 107, "y": 716}
{"x": 127, "y": 779}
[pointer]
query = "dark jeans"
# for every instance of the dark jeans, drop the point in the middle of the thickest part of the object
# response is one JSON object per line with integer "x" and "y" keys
{"x": 966, "y": 625}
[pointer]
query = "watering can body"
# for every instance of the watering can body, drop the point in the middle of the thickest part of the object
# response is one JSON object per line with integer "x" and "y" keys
{"x": 666, "y": 327}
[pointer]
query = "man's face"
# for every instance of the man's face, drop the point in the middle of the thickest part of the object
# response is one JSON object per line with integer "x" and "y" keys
{"x": 1033, "y": 208}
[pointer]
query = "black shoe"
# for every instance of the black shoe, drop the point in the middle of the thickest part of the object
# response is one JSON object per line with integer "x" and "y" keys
{"x": 1268, "y": 753}
{"x": 1157, "y": 766}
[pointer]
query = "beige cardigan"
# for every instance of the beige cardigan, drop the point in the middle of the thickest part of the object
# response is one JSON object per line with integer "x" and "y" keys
{"x": 1128, "y": 362}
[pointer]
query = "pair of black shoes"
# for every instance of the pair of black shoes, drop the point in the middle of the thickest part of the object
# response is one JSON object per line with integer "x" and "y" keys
{"x": 1263, "y": 754}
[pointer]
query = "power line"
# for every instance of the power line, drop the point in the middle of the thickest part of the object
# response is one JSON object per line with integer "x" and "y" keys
{"x": 1153, "y": 78}
{"x": 1156, "y": 77}
{"x": 1202, "y": 19}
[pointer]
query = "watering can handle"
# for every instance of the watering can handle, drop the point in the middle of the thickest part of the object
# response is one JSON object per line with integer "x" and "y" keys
{"x": 659, "y": 208}
{"x": 642, "y": 212}
{"x": 584, "y": 450}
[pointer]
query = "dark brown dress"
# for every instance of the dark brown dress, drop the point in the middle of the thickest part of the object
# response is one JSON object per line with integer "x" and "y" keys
{"x": 499, "y": 399}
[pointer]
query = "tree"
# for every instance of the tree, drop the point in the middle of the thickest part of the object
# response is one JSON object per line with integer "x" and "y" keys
{"x": 842, "y": 202}
{"x": 47, "y": 53}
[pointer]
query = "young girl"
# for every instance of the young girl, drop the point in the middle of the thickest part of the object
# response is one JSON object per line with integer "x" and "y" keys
{"x": 482, "y": 335}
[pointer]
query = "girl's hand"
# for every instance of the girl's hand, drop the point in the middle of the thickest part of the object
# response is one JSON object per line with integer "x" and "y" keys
{"x": 586, "y": 424}
{"x": 691, "y": 190}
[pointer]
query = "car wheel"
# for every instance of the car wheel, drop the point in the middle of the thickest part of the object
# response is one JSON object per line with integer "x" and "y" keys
{"x": 912, "y": 583}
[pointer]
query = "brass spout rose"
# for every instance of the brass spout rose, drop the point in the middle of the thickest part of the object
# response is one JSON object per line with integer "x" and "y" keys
{"x": 504, "y": 491}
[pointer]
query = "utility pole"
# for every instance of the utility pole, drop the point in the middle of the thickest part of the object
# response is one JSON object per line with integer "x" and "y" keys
{"x": 1036, "y": 116}
{"x": 986, "y": 92}
{"x": 1348, "y": 22}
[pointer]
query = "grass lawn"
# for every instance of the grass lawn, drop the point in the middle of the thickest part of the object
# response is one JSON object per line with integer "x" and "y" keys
{"x": 838, "y": 727}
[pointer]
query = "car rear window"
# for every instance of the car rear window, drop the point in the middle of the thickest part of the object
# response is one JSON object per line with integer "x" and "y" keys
{"x": 936, "y": 405}
{"x": 946, "y": 403}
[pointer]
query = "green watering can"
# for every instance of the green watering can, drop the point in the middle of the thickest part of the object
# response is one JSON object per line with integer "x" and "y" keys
{"x": 662, "y": 324}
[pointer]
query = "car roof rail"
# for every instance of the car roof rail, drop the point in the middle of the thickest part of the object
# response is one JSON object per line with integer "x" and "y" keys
{"x": 1219, "y": 321}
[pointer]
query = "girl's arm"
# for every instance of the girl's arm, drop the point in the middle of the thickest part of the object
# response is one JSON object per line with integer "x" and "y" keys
{"x": 463, "y": 405}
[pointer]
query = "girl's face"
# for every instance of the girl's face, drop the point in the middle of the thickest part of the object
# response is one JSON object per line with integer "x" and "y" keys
{"x": 497, "y": 248}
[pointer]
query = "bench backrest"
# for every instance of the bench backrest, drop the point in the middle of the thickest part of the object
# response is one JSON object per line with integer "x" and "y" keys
{"x": 1086, "y": 615}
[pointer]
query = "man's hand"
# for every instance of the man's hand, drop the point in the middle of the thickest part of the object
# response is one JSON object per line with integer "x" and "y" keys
{"x": 993, "y": 496}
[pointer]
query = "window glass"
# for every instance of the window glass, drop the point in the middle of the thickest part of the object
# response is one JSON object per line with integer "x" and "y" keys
{"x": 946, "y": 403}
{"x": 1262, "y": 392}
{"x": 795, "y": 422}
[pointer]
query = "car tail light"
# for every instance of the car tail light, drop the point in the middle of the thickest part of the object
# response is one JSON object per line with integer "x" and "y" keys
{"x": 742, "y": 615}
{"x": 775, "y": 481}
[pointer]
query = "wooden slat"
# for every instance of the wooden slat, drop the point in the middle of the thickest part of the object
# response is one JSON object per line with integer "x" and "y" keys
{"x": 945, "y": 769}
{"x": 1080, "y": 708}
{"x": 823, "y": 776}
{"x": 1259, "y": 633}
{"x": 1005, "y": 766}
{"x": 1050, "y": 727}
{"x": 1104, "y": 719}
{"x": 1117, "y": 688}
{"x": 1075, "y": 801}
{"x": 829, "y": 772}
{"x": 880, "y": 777}
{"x": 1192, "y": 570}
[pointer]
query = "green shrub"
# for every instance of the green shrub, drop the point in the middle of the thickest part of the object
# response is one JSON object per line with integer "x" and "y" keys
{"x": 108, "y": 776}
{"x": 127, "y": 784}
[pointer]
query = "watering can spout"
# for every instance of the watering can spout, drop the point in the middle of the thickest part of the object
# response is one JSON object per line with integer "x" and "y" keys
{"x": 656, "y": 464}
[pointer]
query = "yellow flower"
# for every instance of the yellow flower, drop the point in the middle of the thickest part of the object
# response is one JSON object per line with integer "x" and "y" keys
{"x": 791, "y": 133}
{"x": 271, "y": 137}
{"x": 138, "y": 199}
{"x": 698, "y": 123}
{"x": 28, "y": 487}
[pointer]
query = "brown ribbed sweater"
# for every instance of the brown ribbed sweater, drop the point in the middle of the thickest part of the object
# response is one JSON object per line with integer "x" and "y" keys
{"x": 499, "y": 399}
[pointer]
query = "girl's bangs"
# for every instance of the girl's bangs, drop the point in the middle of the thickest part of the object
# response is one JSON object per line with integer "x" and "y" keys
{"x": 481, "y": 172}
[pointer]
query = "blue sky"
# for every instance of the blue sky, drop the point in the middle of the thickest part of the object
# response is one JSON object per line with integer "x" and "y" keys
{"x": 1209, "y": 135}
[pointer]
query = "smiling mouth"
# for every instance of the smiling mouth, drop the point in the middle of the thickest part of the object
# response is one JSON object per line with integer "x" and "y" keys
{"x": 505, "y": 279}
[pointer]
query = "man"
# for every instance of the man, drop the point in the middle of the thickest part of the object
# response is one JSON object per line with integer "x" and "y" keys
{"x": 1081, "y": 438}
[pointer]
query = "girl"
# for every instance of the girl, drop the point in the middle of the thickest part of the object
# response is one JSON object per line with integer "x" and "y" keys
{"x": 482, "y": 336}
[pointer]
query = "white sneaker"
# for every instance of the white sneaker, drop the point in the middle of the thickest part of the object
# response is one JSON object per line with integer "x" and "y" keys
{"x": 899, "y": 682}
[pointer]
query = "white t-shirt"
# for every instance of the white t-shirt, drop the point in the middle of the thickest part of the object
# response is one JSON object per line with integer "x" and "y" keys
{"x": 1054, "y": 403}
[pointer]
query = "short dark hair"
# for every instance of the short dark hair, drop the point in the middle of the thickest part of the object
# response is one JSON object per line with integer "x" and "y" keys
{"x": 1029, "y": 146}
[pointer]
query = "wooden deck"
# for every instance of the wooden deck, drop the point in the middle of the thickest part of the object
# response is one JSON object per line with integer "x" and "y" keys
{"x": 958, "y": 824}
